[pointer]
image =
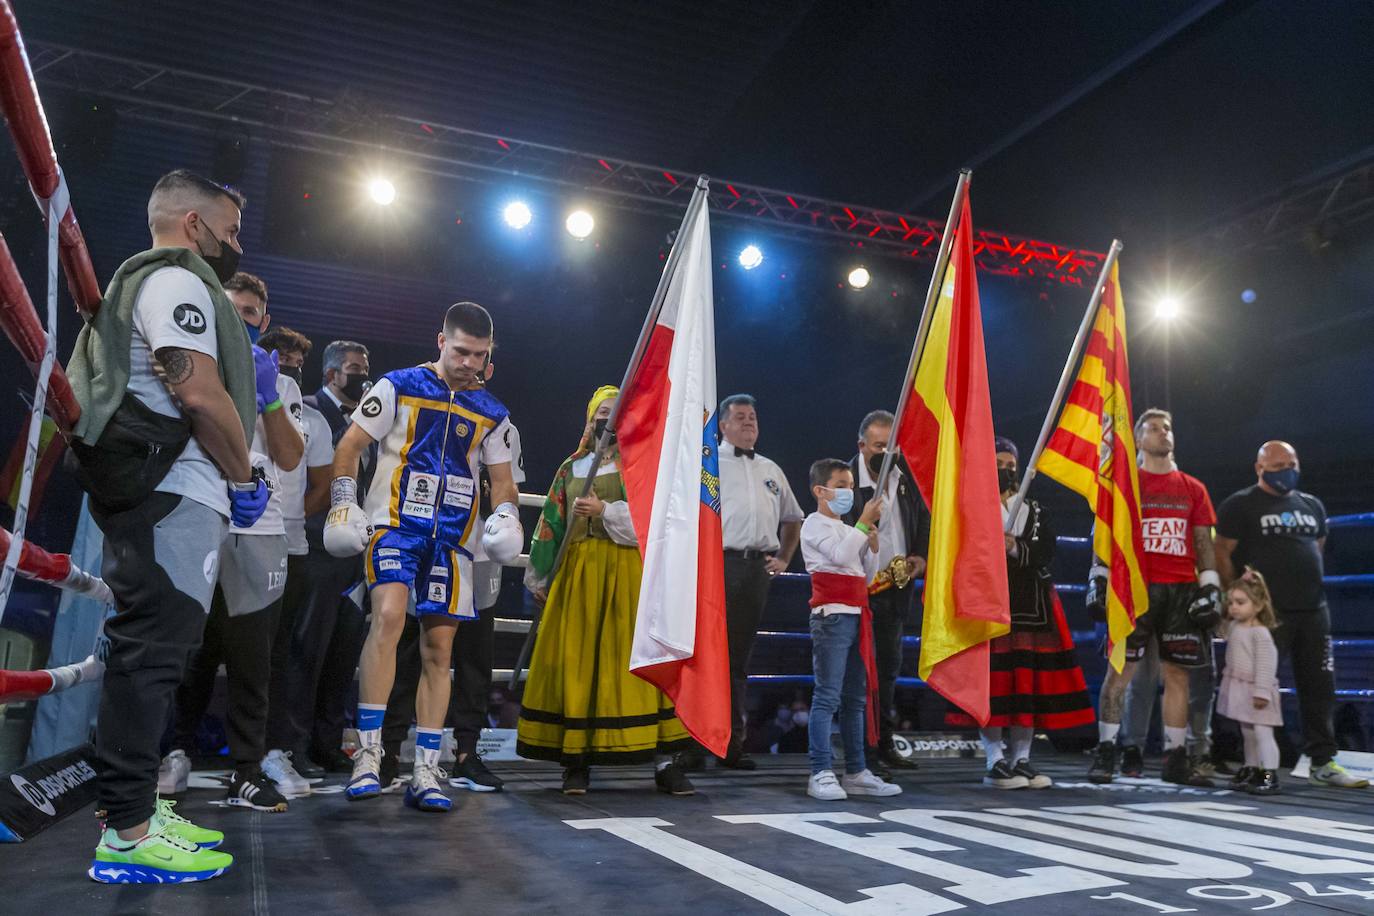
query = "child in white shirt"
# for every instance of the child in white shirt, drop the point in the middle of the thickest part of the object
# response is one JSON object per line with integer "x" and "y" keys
{"x": 840, "y": 559}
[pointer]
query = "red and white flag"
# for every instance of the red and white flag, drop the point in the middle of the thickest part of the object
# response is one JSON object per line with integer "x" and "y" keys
{"x": 666, "y": 430}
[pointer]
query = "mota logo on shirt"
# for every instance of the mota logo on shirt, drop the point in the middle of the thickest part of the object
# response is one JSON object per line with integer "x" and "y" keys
{"x": 1291, "y": 522}
{"x": 189, "y": 318}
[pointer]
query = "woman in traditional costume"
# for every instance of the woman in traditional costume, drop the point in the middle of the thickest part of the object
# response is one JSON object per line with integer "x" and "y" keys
{"x": 1035, "y": 679}
{"x": 582, "y": 706}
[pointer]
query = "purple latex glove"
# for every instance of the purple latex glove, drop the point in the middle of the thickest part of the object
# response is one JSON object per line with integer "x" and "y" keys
{"x": 265, "y": 375}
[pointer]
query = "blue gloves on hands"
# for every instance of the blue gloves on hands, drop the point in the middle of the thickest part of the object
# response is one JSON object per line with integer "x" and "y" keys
{"x": 265, "y": 375}
{"x": 247, "y": 506}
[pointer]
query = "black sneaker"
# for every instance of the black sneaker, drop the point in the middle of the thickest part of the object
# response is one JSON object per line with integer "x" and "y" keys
{"x": 896, "y": 761}
{"x": 734, "y": 760}
{"x": 254, "y": 790}
{"x": 1103, "y": 767}
{"x": 471, "y": 773}
{"x": 335, "y": 761}
{"x": 877, "y": 769}
{"x": 1178, "y": 769}
{"x": 576, "y": 780}
{"x": 1034, "y": 778}
{"x": 307, "y": 767}
{"x": 1242, "y": 779}
{"x": 389, "y": 772}
{"x": 673, "y": 780}
{"x": 1132, "y": 761}
{"x": 1265, "y": 783}
{"x": 693, "y": 760}
{"x": 1000, "y": 776}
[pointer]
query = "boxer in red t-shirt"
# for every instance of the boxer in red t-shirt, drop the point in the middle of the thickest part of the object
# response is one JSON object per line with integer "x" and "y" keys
{"x": 1185, "y": 600}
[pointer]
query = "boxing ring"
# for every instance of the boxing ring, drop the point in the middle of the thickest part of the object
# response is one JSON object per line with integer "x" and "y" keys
{"x": 746, "y": 843}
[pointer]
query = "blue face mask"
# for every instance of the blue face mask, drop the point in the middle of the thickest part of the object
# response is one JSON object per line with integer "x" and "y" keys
{"x": 1284, "y": 481}
{"x": 253, "y": 332}
{"x": 842, "y": 502}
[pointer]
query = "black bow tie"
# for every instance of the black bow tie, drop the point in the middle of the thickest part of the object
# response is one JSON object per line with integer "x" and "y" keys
{"x": 744, "y": 453}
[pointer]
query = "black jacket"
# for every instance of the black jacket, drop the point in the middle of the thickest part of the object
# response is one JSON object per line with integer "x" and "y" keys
{"x": 915, "y": 518}
{"x": 1028, "y": 573}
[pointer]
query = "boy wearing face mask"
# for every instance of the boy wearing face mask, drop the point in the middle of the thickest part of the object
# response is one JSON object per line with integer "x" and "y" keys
{"x": 1281, "y": 531}
{"x": 841, "y": 559}
{"x": 903, "y": 533}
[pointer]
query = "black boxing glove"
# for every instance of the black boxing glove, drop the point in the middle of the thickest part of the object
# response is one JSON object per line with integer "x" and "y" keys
{"x": 1205, "y": 611}
{"x": 1096, "y": 596}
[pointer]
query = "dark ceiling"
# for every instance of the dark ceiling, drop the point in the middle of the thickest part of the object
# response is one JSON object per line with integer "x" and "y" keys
{"x": 1085, "y": 119}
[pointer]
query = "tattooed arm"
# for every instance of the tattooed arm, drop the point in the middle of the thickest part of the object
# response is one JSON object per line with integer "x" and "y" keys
{"x": 193, "y": 380}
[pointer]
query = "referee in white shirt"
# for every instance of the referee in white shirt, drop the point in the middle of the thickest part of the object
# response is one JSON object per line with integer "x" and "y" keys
{"x": 903, "y": 533}
{"x": 761, "y": 523}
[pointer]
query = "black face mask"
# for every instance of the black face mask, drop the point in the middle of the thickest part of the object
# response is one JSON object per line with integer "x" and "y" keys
{"x": 355, "y": 385}
{"x": 226, "y": 263}
{"x": 292, "y": 372}
{"x": 1006, "y": 479}
{"x": 875, "y": 463}
{"x": 599, "y": 429}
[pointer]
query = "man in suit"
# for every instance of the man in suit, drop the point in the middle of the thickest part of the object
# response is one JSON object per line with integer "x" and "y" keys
{"x": 903, "y": 533}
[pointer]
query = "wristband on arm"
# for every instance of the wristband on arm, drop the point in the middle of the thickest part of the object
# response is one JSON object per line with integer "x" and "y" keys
{"x": 862, "y": 528}
{"x": 275, "y": 405}
{"x": 343, "y": 490}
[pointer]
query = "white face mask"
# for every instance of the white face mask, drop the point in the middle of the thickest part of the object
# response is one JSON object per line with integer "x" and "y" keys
{"x": 800, "y": 718}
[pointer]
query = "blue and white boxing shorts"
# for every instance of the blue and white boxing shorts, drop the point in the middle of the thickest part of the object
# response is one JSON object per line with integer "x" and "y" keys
{"x": 439, "y": 576}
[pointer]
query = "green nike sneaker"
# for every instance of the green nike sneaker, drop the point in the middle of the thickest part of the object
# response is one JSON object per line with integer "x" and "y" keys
{"x": 161, "y": 857}
{"x": 174, "y": 823}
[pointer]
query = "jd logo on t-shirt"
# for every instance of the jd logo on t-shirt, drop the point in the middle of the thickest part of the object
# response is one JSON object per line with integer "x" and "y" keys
{"x": 189, "y": 318}
{"x": 371, "y": 407}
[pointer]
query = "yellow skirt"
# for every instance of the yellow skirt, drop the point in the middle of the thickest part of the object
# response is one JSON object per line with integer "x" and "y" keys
{"x": 582, "y": 706}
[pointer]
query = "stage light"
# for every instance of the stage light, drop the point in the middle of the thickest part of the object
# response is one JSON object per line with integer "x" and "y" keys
{"x": 1248, "y": 296}
{"x": 517, "y": 214}
{"x": 1168, "y": 308}
{"x": 580, "y": 224}
{"x": 859, "y": 277}
{"x": 750, "y": 257}
{"x": 381, "y": 191}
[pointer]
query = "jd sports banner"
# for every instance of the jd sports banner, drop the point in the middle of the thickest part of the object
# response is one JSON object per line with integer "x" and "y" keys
{"x": 39, "y": 795}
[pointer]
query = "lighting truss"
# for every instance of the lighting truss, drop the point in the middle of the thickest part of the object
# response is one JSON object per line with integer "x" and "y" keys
{"x": 349, "y": 124}
{"x": 1314, "y": 210}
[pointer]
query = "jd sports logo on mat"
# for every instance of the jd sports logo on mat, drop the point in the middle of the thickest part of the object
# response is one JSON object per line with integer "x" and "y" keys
{"x": 189, "y": 318}
{"x": 371, "y": 407}
{"x": 33, "y": 795}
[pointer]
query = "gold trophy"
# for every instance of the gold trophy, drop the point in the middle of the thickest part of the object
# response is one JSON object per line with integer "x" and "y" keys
{"x": 897, "y": 574}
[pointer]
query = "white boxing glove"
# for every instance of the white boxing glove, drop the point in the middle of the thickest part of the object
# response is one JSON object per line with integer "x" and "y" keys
{"x": 503, "y": 536}
{"x": 347, "y": 529}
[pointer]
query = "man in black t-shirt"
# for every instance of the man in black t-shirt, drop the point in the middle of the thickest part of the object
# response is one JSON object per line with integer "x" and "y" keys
{"x": 1280, "y": 531}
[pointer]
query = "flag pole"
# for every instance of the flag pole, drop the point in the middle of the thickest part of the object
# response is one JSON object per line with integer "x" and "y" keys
{"x": 1079, "y": 342}
{"x": 923, "y": 329}
{"x": 603, "y": 443}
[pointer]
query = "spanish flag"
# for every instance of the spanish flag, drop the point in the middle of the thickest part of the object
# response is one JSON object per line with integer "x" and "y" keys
{"x": 945, "y": 432}
{"x": 1092, "y": 452}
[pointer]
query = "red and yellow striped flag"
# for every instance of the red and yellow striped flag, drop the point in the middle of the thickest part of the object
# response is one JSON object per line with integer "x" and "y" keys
{"x": 945, "y": 433}
{"x": 1092, "y": 452}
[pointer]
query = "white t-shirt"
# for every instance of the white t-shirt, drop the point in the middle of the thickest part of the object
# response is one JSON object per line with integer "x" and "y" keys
{"x": 319, "y": 452}
{"x": 829, "y": 545}
{"x": 174, "y": 309}
{"x": 272, "y": 520}
{"x": 754, "y": 499}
